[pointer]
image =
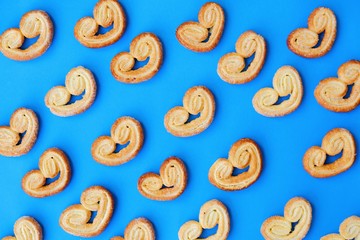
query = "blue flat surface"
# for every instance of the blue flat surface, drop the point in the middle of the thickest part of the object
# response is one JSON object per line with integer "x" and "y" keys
{"x": 283, "y": 141}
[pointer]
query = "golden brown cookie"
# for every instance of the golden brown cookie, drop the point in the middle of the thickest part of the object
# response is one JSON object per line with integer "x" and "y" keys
{"x": 243, "y": 154}
{"x": 138, "y": 229}
{"x": 106, "y": 13}
{"x": 170, "y": 184}
{"x": 203, "y": 36}
{"x": 335, "y": 141}
{"x": 304, "y": 41}
{"x": 297, "y": 211}
{"x": 145, "y": 45}
{"x": 197, "y": 100}
{"x": 26, "y": 228}
{"x": 331, "y": 92}
{"x": 75, "y": 219}
{"x": 79, "y": 81}
{"x": 286, "y": 82}
{"x": 53, "y": 162}
{"x": 33, "y": 24}
{"x": 12, "y": 143}
{"x": 231, "y": 65}
{"x": 349, "y": 229}
{"x": 212, "y": 213}
{"x": 124, "y": 130}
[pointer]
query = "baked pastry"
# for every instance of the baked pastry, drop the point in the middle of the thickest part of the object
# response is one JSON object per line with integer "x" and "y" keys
{"x": 297, "y": 211}
{"x": 169, "y": 185}
{"x": 26, "y": 228}
{"x": 53, "y": 162}
{"x": 138, "y": 229}
{"x": 203, "y": 36}
{"x": 304, "y": 41}
{"x": 335, "y": 141}
{"x": 21, "y": 135}
{"x": 124, "y": 130}
{"x": 349, "y": 229}
{"x": 212, "y": 213}
{"x": 79, "y": 81}
{"x": 331, "y": 93}
{"x": 243, "y": 154}
{"x": 75, "y": 219}
{"x": 32, "y": 24}
{"x": 197, "y": 100}
{"x": 106, "y": 13}
{"x": 286, "y": 82}
{"x": 231, "y": 66}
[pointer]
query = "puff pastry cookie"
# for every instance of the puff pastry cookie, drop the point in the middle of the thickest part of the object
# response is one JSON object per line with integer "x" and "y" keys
{"x": 124, "y": 130}
{"x": 349, "y": 229}
{"x": 169, "y": 185}
{"x": 304, "y": 41}
{"x": 297, "y": 211}
{"x": 197, "y": 100}
{"x": 32, "y": 24}
{"x": 331, "y": 92}
{"x": 145, "y": 45}
{"x": 53, "y": 162}
{"x": 75, "y": 219}
{"x": 212, "y": 213}
{"x": 26, "y": 228}
{"x": 335, "y": 141}
{"x": 23, "y": 121}
{"x": 78, "y": 81}
{"x": 231, "y": 66}
{"x": 243, "y": 154}
{"x": 106, "y": 13}
{"x": 138, "y": 229}
{"x": 203, "y": 36}
{"x": 286, "y": 82}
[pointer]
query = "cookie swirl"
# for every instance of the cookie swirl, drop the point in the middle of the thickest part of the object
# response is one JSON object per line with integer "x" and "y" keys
{"x": 138, "y": 229}
{"x": 26, "y": 228}
{"x": 349, "y": 229}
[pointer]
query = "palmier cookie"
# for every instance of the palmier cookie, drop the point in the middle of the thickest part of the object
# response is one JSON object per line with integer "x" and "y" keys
{"x": 243, "y": 154}
{"x": 169, "y": 185}
{"x": 335, "y": 141}
{"x": 138, "y": 229}
{"x": 32, "y": 24}
{"x": 21, "y": 135}
{"x": 145, "y": 45}
{"x": 286, "y": 81}
{"x": 26, "y": 228}
{"x": 203, "y": 36}
{"x": 331, "y": 93}
{"x": 212, "y": 213}
{"x": 106, "y": 13}
{"x": 124, "y": 130}
{"x": 349, "y": 229}
{"x": 231, "y": 66}
{"x": 197, "y": 100}
{"x": 75, "y": 219}
{"x": 304, "y": 41}
{"x": 53, "y": 162}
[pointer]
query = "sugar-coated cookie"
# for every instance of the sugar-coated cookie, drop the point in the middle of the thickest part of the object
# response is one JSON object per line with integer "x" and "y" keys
{"x": 349, "y": 229}
{"x": 26, "y": 228}
{"x": 138, "y": 229}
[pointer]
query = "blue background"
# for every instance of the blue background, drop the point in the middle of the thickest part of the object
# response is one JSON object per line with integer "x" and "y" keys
{"x": 283, "y": 141}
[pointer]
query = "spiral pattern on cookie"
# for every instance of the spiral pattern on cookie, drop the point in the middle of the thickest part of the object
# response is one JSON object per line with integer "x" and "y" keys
{"x": 26, "y": 228}
{"x": 138, "y": 229}
{"x": 349, "y": 229}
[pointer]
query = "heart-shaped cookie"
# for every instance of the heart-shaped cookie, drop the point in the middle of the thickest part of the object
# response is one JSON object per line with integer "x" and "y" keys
{"x": 203, "y": 36}
{"x": 335, "y": 141}
{"x": 231, "y": 66}
{"x": 75, "y": 219}
{"x": 23, "y": 121}
{"x": 197, "y": 100}
{"x": 33, "y": 24}
{"x": 349, "y": 229}
{"x": 138, "y": 229}
{"x": 26, "y": 228}
{"x": 124, "y": 130}
{"x": 145, "y": 45}
{"x": 79, "y": 81}
{"x": 169, "y": 185}
{"x": 304, "y": 41}
{"x": 243, "y": 154}
{"x": 212, "y": 213}
{"x": 286, "y": 82}
{"x": 106, "y": 13}
{"x": 331, "y": 92}
{"x": 53, "y": 162}
{"x": 297, "y": 211}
